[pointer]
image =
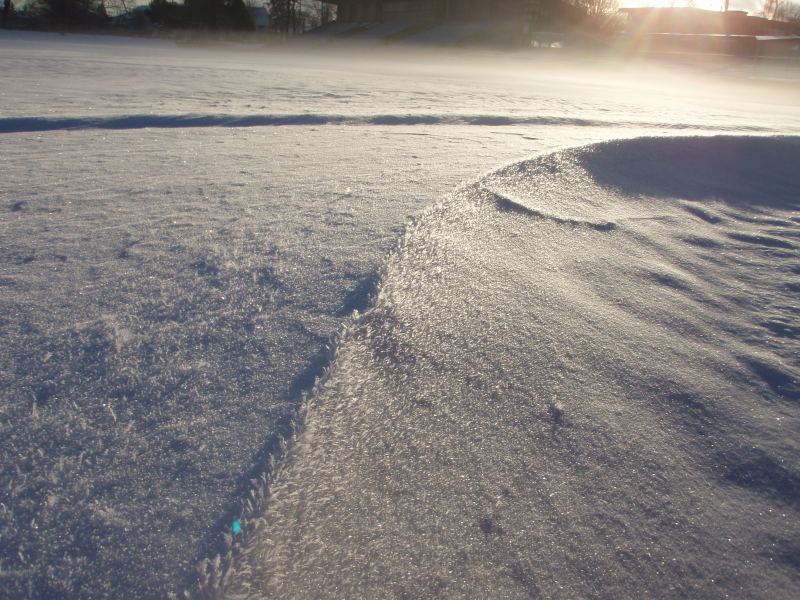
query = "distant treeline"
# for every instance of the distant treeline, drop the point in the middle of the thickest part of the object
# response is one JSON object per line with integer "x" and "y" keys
{"x": 95, "y": 14}
{"x": 286, "y": 16}
{"x": 204, "y": 14}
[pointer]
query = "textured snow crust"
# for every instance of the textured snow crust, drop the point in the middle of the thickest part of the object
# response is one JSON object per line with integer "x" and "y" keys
{"x": 165, "y": 298}
{"x": 579, "y": 379}
{"x": 184, "y": 230}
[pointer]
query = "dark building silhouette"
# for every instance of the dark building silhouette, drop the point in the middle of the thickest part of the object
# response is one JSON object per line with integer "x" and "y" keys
{"x": 697, "y": 31}
{"x": 367, "y": 11}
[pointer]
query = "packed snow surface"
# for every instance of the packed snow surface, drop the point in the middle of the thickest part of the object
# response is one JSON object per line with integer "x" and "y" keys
{"x": 185, "y": 229}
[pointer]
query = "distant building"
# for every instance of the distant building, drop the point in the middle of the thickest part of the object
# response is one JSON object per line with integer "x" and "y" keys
{"x": 697, "y": 31}
{"x": 370, "y": 11}
{"x": 686, "y": 20}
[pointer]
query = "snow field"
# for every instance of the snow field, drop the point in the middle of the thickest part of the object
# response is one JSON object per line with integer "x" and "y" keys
{"x": 184, "y": 230}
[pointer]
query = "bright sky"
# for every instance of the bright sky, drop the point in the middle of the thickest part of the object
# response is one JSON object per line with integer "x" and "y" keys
{"x": 751, "y": 6}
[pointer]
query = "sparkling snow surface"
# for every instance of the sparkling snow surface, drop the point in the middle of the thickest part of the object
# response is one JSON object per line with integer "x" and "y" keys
{"x": 578, "y": 378}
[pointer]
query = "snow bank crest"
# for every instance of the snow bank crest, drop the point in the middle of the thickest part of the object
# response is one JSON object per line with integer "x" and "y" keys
{"x": 533, "y": 390}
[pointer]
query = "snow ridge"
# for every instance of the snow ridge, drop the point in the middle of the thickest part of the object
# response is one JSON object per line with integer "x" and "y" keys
{"x": 124, "y": 122}
{"x": 505, "y": 203}
{"x": 539, "y": 407}
{"x": 215, "y": 573}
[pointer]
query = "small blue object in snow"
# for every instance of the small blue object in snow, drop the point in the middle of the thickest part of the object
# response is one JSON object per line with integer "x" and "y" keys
{"x": 237, "y": 527}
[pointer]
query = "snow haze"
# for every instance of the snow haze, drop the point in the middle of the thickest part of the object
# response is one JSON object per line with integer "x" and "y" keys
{"x": 424, "y": 323}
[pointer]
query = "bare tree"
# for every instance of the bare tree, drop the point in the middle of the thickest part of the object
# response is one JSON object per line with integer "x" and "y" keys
{"x": 792, "y": 12}
{"x": 597, "y": 8}
{"x": 6, "y": 10}
{"x": 296, "y": 16}
{"x": 318, "y": 13}
{"x": 775, "y": 10}
{"x": 283, "y": 15}
{"x": 325, "y": 12}
{"x": 116, "y": 7}
{"x": 69, "y": 13}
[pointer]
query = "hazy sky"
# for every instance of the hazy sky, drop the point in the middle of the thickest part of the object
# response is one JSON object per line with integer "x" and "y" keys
{"x": 751, "y": 6}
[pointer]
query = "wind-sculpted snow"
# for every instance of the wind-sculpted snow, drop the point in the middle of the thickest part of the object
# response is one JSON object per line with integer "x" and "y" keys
{"x": 165, "y": 298}
{"x": 183, "y": 229}
{"x": 38, "y": 124}
{"x": 578, "y": 379}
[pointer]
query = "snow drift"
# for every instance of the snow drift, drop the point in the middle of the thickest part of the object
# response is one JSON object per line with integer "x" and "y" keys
{"x": 123, "y": 122}
{"x": 578, "y": 378}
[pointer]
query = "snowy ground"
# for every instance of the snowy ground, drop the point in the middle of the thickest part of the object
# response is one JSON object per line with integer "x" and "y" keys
{"x": 579, "y": 379}
{"x": 184, "y": 230}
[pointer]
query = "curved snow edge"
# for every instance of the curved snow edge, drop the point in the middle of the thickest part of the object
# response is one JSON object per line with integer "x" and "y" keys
{"x": 212, "y": 573}
{"x": 250, "y": 509}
